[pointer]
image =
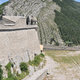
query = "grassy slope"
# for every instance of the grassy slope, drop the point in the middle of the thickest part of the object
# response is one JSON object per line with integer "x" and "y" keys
{"x": 64, "y": 57}
{"x": 2, "y": 6}
{"x": 68, "y": 20}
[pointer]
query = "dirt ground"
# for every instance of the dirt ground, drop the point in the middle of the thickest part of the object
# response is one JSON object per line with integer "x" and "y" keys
{"x": 63, "y": 65}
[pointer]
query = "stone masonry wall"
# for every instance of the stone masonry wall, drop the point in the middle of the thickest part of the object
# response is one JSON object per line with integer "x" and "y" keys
{"x": 20, "y": 46}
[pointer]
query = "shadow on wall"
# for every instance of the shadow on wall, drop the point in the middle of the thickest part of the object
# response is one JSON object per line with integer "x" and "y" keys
{"x": 31, "y": 20}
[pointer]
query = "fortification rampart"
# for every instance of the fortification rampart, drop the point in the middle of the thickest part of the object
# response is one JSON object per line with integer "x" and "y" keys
{"x": 18, "y": 42}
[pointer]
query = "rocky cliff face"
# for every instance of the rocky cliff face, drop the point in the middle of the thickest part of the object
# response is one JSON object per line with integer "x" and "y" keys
{"x": 44, "y": 11}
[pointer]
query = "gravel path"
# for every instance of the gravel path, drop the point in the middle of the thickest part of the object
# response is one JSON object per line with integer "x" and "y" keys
{"x": 55, "y": 74}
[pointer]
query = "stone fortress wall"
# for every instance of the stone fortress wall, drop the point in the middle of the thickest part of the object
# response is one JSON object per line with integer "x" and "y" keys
{"x": 18, "y": 42}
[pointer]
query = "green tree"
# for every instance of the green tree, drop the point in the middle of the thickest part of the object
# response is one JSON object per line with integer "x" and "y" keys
{"x": 1, "y": 73}
{"x": 23, "y": 67}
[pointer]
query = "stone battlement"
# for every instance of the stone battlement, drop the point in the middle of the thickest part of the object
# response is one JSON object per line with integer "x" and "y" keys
{"x": 15, "y": 22}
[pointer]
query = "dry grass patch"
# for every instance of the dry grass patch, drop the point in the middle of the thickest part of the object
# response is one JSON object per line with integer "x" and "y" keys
{"x": 69, "y": 63}
{"x": 63, "y": 57}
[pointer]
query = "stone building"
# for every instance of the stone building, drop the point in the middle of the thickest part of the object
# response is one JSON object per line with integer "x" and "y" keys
{"x": 18, "y": 41}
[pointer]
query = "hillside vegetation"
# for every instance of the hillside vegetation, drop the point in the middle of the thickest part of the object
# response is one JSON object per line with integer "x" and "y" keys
{"x": 68, "y": 20}
{"x": 2, "y": 7}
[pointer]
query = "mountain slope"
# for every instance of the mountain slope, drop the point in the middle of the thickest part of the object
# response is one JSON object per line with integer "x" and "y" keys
{"x": 44, "y": 11}
{"x": 68, "y": 20}
{"x": 2, "y": 7}
{"x": 58, "y": 20}
{"x": 49, "y": 32}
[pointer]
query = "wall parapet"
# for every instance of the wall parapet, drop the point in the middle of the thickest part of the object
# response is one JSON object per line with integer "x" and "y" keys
{"x": 39, "y": 75}
{"x": 17, "y": 29}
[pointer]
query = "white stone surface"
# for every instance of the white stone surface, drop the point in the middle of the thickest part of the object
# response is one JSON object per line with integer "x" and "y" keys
{"x": 31, "y": 70}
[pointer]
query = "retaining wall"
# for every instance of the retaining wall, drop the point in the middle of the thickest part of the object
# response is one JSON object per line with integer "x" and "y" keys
{"x": 38, "y": 75}
{"x": 21, "y": 45}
